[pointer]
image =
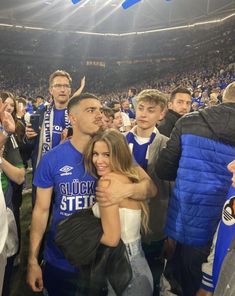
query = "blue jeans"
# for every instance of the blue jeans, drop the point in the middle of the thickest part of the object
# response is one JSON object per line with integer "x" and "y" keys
{"x": 142, "y": 280}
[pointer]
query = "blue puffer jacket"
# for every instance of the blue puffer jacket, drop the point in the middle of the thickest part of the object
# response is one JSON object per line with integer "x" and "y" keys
{"x": 197, "y": 154}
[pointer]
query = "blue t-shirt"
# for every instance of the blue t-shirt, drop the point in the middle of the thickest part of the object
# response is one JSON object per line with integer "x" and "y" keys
{"x": 41, "y": 107}
{"x": 58, "y": 126}
{"x": 62, "y": 168}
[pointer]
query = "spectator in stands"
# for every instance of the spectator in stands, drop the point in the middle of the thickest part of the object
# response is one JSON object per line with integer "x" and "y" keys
{"x": 20, "y": 108}
{"x": 145, "y": 143}
{"x": 13, "y": 171}
{"x": 107, "y": 118}
{"x": 201, "y": 184}
{"x": 7, "y": 127}
{"x": 132, "y": 92}
{"x": 213, "y": 100}
{"x": 30, "y": 106}
{"x": 125, "y": 107}
{"x": 53, "y": 120}
{"x": 179, "y": 105}
{"x": 40, "y": 101}
{"x": 195, "y": 106}
{"x": 14, "y": 147}
{"x": 126, "y": 123}
{"x": 196, "y": 96}
{"x": 205, "y": 98}
{"x": 117, "y": 119}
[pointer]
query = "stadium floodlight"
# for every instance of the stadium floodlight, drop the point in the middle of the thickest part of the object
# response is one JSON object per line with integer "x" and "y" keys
{"x": 128, "y": 3}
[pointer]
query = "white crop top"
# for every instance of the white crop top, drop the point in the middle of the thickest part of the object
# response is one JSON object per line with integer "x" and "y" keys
{"x": 130, "y": 223}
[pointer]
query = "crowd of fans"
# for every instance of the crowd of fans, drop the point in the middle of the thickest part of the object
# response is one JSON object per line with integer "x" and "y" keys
{"x": 144, "y": 101}
{"x": 207, "y": 72}
{"x": 156, "y": 126}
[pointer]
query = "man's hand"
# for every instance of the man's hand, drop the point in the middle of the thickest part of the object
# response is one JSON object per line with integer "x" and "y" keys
{"x": 83, "y": 82}
{"x": 34, "y": 277}
{"x": 63, "y": 135}
{"x": 202, "y": 292}
{"x": 168, "y": 248}
{"x": 79, "y": 91}
{"x": 2, "y": 108}
{"x": 114, "y": 193}
{"x": 29, "y": 132}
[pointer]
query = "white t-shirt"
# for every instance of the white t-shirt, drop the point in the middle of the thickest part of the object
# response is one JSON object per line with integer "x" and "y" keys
{"x": 126, "y": 121}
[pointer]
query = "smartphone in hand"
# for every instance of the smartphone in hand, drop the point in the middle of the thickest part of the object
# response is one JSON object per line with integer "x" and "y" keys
{"x": 34, "y": 121}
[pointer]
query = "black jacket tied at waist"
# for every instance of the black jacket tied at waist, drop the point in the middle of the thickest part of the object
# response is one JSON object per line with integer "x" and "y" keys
{"x": 78, "y": 237}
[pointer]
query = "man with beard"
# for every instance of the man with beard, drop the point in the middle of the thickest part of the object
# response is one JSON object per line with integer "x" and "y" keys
{"x": 179, "y": 105}
{"x": 62, "y": 170}
{"x": 199, "y": 149}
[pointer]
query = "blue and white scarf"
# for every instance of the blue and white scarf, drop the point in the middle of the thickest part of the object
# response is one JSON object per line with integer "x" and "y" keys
{"x": 140, "y": 152}
{"x": 45, "y": 141}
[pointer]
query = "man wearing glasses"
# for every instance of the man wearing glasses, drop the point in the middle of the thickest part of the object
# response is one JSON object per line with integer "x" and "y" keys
{"x": 52, "y": 122}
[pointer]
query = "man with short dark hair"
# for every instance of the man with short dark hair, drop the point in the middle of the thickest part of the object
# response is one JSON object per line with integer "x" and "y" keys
{"x": 125, "y": 107}
{"x": 126, "y": 123}
{"x": 62, "y": 170}
{"x": 178, "y": 105}
{"x": 40, "y": 100}
{"x": 107, "y": 118}
{"x": 117, "y": 119}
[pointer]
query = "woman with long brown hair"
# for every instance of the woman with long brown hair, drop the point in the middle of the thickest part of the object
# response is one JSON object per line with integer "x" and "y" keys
{"x": 107, "y": 153}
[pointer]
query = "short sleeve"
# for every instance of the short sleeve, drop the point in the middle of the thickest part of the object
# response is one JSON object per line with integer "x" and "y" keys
{"x": 44, "y": 176}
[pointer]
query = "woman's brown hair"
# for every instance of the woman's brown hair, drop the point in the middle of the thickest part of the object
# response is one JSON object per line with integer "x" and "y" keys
{"x": 121, "y": 162}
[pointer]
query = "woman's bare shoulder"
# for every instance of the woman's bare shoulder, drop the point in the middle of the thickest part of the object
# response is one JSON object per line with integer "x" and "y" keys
{"x": 120, "y": 177}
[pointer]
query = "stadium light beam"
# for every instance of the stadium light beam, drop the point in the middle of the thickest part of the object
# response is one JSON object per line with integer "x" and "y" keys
{"x": 128, "y": 3}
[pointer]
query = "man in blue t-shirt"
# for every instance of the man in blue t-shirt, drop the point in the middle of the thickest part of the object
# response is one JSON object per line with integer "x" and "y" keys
{"x": 61, "y": 171}
{"x": 53, "y": 119}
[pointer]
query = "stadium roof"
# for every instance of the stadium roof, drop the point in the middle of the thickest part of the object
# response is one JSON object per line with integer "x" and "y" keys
{"x": 108, "y": 16}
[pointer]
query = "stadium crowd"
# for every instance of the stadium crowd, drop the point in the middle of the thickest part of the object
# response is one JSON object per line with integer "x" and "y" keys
{"x": 131, "y": 190}
{"x": 163, "y": 134}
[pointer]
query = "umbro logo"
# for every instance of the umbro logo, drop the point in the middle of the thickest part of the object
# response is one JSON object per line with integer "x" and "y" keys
{"x": 66, "y": 170}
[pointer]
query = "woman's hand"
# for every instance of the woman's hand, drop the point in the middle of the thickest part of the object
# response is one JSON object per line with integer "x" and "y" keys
{"x": 6, "y": 119}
